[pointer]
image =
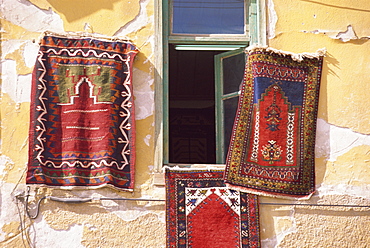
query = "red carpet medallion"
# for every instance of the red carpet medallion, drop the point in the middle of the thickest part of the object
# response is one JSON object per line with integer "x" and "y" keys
{"x": 201, "y": 212}
{"x": 273, "y": 141}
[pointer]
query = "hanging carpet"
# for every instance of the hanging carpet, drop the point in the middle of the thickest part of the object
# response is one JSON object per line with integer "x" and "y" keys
{"x": 202, "y": 212}
{"x": 82, "y": 129}
{"x": 271, "y": 151}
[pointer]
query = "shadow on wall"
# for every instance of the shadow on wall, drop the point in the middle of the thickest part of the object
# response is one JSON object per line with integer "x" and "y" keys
{"x": 74, "y": 10}
{"x": 322, "y": 147}
{"x": 282, "y": 216}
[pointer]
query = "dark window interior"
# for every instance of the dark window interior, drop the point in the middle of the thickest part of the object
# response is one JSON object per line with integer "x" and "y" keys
{"x": 233, "y": 75}
{"x": 191, "y": 106}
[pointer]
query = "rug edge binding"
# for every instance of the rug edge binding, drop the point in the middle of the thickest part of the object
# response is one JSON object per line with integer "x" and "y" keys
{"x": 266, "y": 194}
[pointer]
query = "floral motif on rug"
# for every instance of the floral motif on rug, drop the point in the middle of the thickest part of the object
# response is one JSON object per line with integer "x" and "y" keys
{"x": 271, "y": 151}
{"x": 82, "y": 129}
{"x": 202, "y": 212}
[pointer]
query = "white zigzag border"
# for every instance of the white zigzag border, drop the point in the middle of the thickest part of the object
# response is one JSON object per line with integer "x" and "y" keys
{"x": 126, "y": 104}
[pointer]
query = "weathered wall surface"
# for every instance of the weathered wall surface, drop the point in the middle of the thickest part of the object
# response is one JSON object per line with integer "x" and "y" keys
{"x": 97, "y": 224}
{"x": 343, "y": 135}
{"x": 343, "y": 130}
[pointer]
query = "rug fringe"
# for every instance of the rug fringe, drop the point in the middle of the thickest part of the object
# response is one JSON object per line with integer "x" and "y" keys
{"x": 260, "y": 193}
{"x": 77, "y": 35}
{"x": 295, "y": 56}
{"x": 34, "y": 186}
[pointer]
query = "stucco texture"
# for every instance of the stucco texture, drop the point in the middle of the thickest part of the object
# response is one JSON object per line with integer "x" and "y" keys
{"x": 101, "y": 223}
{"x": 342, "y": 143}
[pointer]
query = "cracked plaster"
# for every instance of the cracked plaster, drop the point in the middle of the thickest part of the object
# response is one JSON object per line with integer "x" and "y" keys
{"x": 342, "y": 139}
{"x": 139, "y": 22}
{"x": 341, "y": 146}
{"x": 333, "y": 141}
{"x": 30, "y": 17}
{"x": 8, "y": 210}
{"x": 344, "y": 36}
{"x": 17, "y": 86}
{"x": 144, "y": 95}
{"x": 330, "y": 226}
{"x": 42, "y": 232}
{"x": 272, "y": 19}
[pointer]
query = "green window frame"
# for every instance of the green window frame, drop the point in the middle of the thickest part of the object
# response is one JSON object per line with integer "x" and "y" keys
{"x": 221, "y": 96}
{"x": 256, "y": 34}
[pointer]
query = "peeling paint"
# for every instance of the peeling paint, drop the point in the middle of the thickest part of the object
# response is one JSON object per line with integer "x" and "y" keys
{"x": 347, "y": 35}
{"x": 30, "y": 17}
{"x": 330, "y": 226}
{"x": 344, "y": 36}
{"x": 139, "y": 22}
{"x": 272, "y": 19}
{"x": 333, "y": 141}
{"x": 351, "y": 168}
{"x": 144, "y": 95}
{"x": 17, "y": 86}
{"x": 332, "y": 34}
{"x": 144, "y": 231}
{"x": 276, "y": 223}
{"x": 4, "y": 160}
{"x": 267, "y": 243}
{"x": 10, "y": 46}
{"x": 8, "y": 210}
{"x": 41, "y": 233}
{"x": 30, "y": 52}
{"x": 284, "y": 225}
{"x": 362, "y": 191}
{"x": 147, "y": 139}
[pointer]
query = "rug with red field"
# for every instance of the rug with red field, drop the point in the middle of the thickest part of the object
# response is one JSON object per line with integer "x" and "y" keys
{"x": 202, "y": 212}
{"x": 82, "y": 128}
{"x": 272, "y": 146}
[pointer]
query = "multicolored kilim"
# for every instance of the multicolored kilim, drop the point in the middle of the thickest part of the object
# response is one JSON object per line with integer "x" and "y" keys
{"x": 272, "y": 146}
{"x": 202, "y": 212}
{"x": 82, "y": 129}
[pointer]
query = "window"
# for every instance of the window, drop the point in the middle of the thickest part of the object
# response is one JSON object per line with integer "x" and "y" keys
{"x": 203, "y": 67}
{"x": 208, "y": 17}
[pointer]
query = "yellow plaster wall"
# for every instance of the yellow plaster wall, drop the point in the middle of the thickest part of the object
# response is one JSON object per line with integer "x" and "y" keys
{"x": 101, "y": 223}
{"x": 343, "y": 142}
{"x": 305, "y": 26}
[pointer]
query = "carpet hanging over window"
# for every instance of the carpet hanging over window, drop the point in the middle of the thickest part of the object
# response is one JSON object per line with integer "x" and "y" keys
{"x": 272, "y": 146}
{"x": 82, "y": 129}
{"x": 202, "y": 212}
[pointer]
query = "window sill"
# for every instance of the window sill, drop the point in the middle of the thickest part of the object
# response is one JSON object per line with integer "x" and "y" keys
{"x": 159, "y": 180}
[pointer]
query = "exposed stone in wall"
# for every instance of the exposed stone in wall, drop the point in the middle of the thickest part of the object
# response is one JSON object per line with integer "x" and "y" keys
{"x": 342, "y": 140}
{"x": 104, "y": 229}
{"x": 330, "y": 226}
{"x": 99, "y": 224}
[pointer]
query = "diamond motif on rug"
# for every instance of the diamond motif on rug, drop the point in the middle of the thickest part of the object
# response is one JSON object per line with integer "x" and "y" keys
{"x": 202, "y": 212}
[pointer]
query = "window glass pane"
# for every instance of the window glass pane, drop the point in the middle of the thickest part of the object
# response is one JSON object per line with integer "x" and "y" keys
{"x": 208, "y": 17}
{"x": 230, "y": 107}
{"x": 233, "y": 72}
